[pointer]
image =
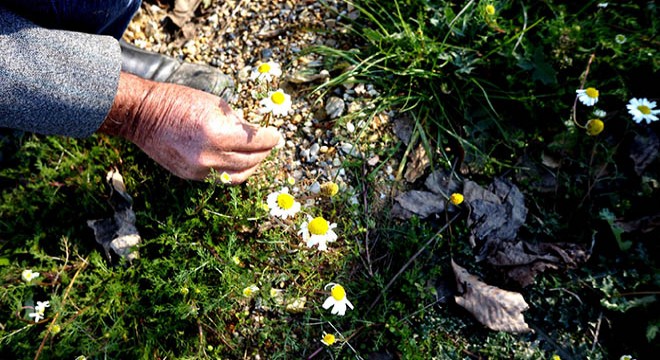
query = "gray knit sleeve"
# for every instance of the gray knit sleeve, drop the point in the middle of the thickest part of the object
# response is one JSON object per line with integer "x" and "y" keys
{"x": 55, "y": 82}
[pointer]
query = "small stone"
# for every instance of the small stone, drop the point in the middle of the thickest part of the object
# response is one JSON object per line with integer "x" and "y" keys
{"x": 297, "y": 118}
{"x": 314, "y": 149}
{"x": 349, "y": 149}
{"x": 304, "y": 154}
{"x": 266, "y": 54}
{"x": 350, "y": 127}
{"x": 335, "y": 107}
{"x": 373, "y": 161}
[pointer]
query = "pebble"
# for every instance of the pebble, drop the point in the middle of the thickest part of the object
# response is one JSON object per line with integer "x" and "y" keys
{"x": 334, "y": 107}
{"x": 304, "y": 153}
{"x": 314, "y": 149}
{"x": 266, "y": 54}
{"x": 349, "y": 149}
{"x": 315, "y": 188}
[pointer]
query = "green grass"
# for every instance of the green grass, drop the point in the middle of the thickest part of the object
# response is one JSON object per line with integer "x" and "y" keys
{"x": 490, "y": 95}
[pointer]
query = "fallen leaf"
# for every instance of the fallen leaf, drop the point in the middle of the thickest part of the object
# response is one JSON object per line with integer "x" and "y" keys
{"x": 524, "y": 260}
{"x": 497, "y": 213}
{"x": 118, "y": 234}
{"x": 498, "y": 309}
{"x": 183, "y": 11}
{"x": 442, "y": 182}
{"x": 421, "y": 203}
{"x": 426, "y": 203}
{"x": 418, "y": 163}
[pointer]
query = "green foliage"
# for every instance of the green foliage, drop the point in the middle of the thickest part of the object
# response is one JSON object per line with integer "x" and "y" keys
{"x": 487, "y": 93}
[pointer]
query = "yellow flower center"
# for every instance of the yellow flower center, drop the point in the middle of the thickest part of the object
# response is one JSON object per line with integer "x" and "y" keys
{"x": 338, "y": 292}
{"x": 456, "y": 198}
{"x": 319, "y": 226}
{"x": 264, "y": 68}
{"x": 225, "y": 178}
{"x": 644, "y": 109}
{"x": 591, "y": 92}
{"x": 285, "y": 201}
{"x": 490, "y": 9}
{"x": 329, "y": 339}
{"x": 330, "y": 189}
{"x": 277, "y": 98}
{"x": 595, "y": 127}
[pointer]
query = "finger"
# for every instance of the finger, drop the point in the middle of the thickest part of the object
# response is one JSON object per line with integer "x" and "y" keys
{"x": 233, "y": 161}
{"x": 233, "y": 134}
{"x": 237, "y": 177}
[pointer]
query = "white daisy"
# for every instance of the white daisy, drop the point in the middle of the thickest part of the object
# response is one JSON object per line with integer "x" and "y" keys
{"x": 318, "y": 231}
{"x": 642, "y": 109}
{"x": 28, "y": 275}
{"x": 225, "y": 178}
{"x": 39, "y": 310}
{"x": 282, "y": 204}
{"x": 36, "y": 315}
{"x": 41, "y": 306}
{"x": 337, "y": 300}
{"x": 588, "y": 96}
{"x": 266, "y": 71}
{"x": 277, "y": 102}
{"x": 250, "y": 290}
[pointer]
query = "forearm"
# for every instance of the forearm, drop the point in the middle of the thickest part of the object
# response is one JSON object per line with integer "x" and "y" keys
{"x": 122, "y": 119}
{"x": 54, "y": 81}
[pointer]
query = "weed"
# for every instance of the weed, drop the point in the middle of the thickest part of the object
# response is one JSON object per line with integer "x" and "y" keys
{"x": 490, "y": 87}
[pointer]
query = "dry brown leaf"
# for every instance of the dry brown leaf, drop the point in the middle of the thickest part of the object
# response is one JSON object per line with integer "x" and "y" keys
{"x": 443, "y": 183}
{"x": 421, "y": 203}
{"x": 426, "y": 203}
{"x": 118, "y": 234}
{"x": 498, "y": 309}
{"x": 419, "y": 161}
{"x": 497, "y": 214}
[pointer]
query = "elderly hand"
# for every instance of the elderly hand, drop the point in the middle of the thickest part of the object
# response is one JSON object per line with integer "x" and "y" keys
{"x": 187, "y": 131}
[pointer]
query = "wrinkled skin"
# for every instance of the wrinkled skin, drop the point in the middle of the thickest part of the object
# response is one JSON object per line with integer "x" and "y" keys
{"x": 187, "y": 131}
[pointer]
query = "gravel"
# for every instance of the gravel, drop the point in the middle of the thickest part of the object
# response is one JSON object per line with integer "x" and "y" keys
{"x": 234, "y": 36}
